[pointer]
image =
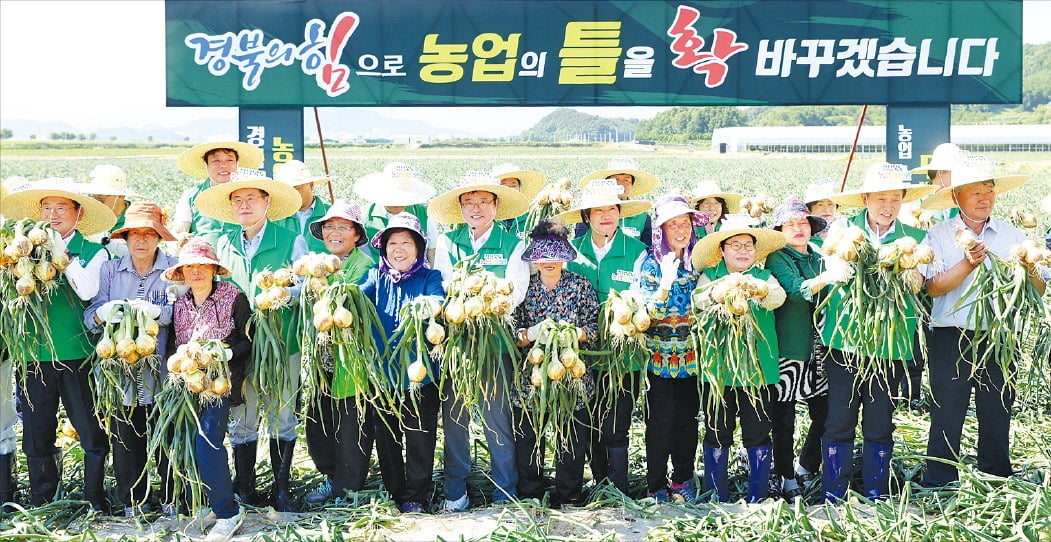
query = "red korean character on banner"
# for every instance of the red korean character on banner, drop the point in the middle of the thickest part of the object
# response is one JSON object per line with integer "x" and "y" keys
{"x": 687, "y": 47}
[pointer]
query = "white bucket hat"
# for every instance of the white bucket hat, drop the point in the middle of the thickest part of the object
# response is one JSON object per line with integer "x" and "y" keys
{"x": 945, "y": 157}
{"x": 108, "y": 180}
{"x": 295, "y": 173}
{"x": 398, "y": 185}
{"x": 882, "y": 177}
{"x": 819, "y": 190}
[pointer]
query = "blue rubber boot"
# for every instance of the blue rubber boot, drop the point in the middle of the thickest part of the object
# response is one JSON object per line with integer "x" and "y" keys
{"x": 835, "y": 469}
{"x": 875, "y": 470}
{"x": 759, "y": 460}
{"x": 715, "y": 464}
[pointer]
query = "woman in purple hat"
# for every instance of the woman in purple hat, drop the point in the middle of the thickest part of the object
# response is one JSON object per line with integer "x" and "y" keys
{"x": 563, "y": 296}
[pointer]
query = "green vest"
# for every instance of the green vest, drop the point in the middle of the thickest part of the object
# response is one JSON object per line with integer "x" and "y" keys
{"x": 494, "y": 255}
{"x": 203, "y": 226}
{"x": 702, "y": 231}
{"x": 633, "y": 226}
{"x": 376, "y": 218}
{"x": 835, "y": 319}
{"x": 794, "y": 319}
{"x": 65, "y": 314}
{"x": 516, "y": 226}
{"x": 766, "y": 345}
{"x": 292, "y": 223}
{"x": 354, "y": 268}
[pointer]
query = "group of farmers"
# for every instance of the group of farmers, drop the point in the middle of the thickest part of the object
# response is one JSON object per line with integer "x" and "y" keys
{"x": 196, "y": 278}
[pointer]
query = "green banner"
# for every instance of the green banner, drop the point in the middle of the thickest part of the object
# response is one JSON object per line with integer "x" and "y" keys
{"x": 506, "y": 53}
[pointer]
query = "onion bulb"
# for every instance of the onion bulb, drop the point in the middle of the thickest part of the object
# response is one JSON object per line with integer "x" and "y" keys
{"x": 417, "y": 372}
{"x": 435, "y": 333}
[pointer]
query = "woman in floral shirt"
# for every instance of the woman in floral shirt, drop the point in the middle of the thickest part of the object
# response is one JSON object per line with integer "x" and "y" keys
{"x": 562, "y": 296}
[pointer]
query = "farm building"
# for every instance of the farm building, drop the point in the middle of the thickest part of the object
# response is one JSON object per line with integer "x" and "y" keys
{"x": 979, "y": 138}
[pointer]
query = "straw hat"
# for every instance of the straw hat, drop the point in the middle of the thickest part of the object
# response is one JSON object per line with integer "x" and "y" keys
{"x": 706, "y": 253}
{"x": 603, "y": 193}
{"x": 346, "y": 209}
{"x": 195, "y": 251}
{"x": 795, "y": 208}
{"x": 446, "y": 207}
{"x": 215, "y": 201}
{"x": 710, "y": 189}
{"x": 531, "y": 181}
{"x": 192, "y": 161}
{"x": 971, "y": 174}
{"x": 819, "y": 190}
{"x": 16, "y": 183}
{"x": 398, "y": 185}
{"x": 644, "y": 182}
{"x": 97, "y": 218}
{"x": 401, "y": 221}
{"x": 144, "y": 214}
{"x": 295, "y": 173}
{"x": 882, "y": 177}
{"x": 945, "y": 157}
{"x": 108, "y": 180}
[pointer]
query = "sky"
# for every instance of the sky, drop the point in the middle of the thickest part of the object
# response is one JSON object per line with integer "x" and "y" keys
{"x": 57, "y": 63}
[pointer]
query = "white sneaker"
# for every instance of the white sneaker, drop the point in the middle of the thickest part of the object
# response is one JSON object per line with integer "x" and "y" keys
{"x": 224, "y": 528}
{"x": 459, "y": 505}
{"x": 169, "y": 511}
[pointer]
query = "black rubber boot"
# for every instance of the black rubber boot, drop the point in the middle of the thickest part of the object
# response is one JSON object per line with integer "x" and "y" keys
{"x": 8, "y": 483}
{"x": 43, "y": 478}
{"x": 94, "y": 477}
{"x": 618, "y": 468}
{"x": 281, "y": 463}
{"x": 244, "y": 472}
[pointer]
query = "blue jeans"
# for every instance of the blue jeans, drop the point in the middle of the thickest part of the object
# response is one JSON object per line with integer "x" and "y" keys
{"x": 213, "y": 461}
{"x": 499, "y": 434}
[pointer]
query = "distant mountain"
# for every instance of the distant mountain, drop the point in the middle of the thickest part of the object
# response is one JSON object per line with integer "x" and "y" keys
{"x": 569, "y": 125}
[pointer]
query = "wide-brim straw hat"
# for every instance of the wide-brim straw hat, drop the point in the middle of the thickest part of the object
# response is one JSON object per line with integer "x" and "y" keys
{"x": 192, "y": 161}
{"x": 144, "y": 214}
{"x": 295, "y": 173}
{"x": 644, "y": 182}
{"x": 446, "y": 207}
{"x": 711, "y": 189}
{"x": 401, "y": 221}
{"x": 603, "y": 193}
{"x": 820, "y": 189}
{"x": 96, "y": 217}
{"x": 883, "y": 177}
{"x": 398, "y": 185}
{"x": 531, "y": 181}
{"x": 195, "y": 251}
{"x": 215, "y": 201}
{"x": 945, "y": 157}
{"x": 706, "y": 252}
{"x": 963, "y": 176}
{"x": 346, "y": 209}
{"x": 793, "y": 209}
{"x": 108, "y": 180}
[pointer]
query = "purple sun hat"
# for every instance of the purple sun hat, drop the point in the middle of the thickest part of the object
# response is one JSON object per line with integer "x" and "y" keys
{"x": 401, "y": 221}
{"x": 550, "y": 243}
{"x": 795, "y": 208}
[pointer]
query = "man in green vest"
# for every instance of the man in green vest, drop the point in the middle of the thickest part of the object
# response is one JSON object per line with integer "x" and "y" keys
{"x": 478, "y": 203}
{"x": 885, "y": 188}
{"x": 215, "y": 163}
{"x": 109, "y": 185}
{"x": 527, "y": 182}
{"x": 258, "y": 244}
{"x": 399, "y": 188}
{"x": 608, "y": 259}
{"x": 626, "y": 172}
{"x": 57, "y": 372}
{"x": 295, "y": 174}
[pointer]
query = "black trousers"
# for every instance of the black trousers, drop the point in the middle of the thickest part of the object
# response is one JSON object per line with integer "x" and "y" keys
{"x": 720, "y": 418}
{"x": 339, "y": 441}
{"x": 569, "y": 459}
{"x": 46, "y": 384}
{"x": 951, "y": 386}
{"x": 408, "y": 477}
{"x": 612, "y": 420}
{"x": 847, "y": 395}
{"x": 782, "y": 433}
{"x": 672, "y": 406}
{"x": 128, "y": 442}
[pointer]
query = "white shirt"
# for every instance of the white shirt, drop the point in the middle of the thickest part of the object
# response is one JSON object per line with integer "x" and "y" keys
{"x": 517, "y": 270}
{"x": 84, "y": 278}
{"x": 600, "y": 252}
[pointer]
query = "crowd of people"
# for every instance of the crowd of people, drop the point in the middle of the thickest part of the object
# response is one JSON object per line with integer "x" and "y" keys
{"x": 401, "y": 243}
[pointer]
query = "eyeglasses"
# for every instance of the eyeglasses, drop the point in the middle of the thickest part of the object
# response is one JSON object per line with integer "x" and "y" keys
{"x": 60, "y": 209}
{"x": 476, "y": 204}
{"x": 248, "y": 200}
{"x": 740, "y": 247}
{"x": 336, "y": 229}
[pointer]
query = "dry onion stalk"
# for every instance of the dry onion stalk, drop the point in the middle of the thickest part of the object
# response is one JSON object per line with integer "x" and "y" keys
{"x": 884, "y": 284}
{"x": 550, "y": 201}
{"x": 726, "y": 335}
{"x": 555, "y": 388}
{"x": 121, "y": 353}
{"x": 477, "y": 315}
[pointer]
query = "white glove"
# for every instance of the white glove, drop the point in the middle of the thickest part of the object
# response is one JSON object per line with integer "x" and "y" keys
{"x": 669, "y": 270}
{"x": 110, "y": 311}
{"x": 836, "y": 274}
{"x": 151, "y": 310}
{"x": 58, "y": 244}
{"x": 230, "y": 353}
{"x": 533, "y": 333}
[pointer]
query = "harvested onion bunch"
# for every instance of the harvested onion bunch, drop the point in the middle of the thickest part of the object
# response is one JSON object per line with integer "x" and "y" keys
{"x": 621, "y": 326}
{"x": 121, "y": 352}
{"x": 477, "y": 316}
{"x": 885, "y": 283}
{"x": 556, "y": 387}
{"x": 348, "y": 326}
{"x": 1005, "y": 310}
{"x": 552, "y": 199}
{"x": 315, "y": 271}
{"x": 757, "y": 206}
{"x": 726, "y": 335}
{"x": 268, "y": 370}
{"x": 1022, "y": 218}
{"x": 30, "y": 270}
{"x": 198, "y": 376}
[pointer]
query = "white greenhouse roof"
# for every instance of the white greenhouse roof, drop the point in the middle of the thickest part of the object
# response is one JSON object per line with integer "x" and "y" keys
{"x": 741, "y": 137}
